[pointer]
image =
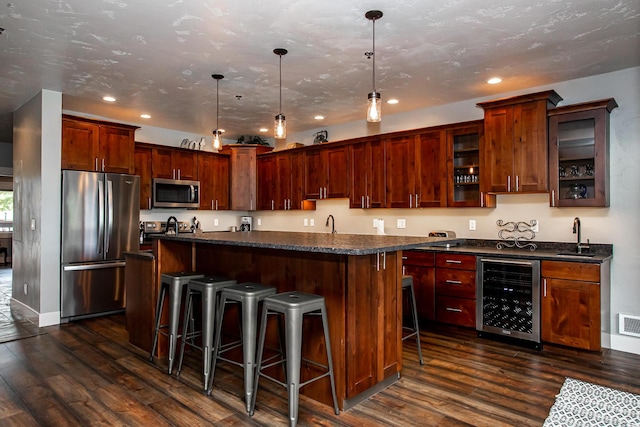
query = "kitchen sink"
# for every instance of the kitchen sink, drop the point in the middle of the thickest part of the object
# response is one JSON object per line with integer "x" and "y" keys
{"x": 575, "y": 254}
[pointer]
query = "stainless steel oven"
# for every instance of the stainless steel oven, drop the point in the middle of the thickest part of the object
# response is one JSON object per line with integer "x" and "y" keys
{"x": 508, "y": 298}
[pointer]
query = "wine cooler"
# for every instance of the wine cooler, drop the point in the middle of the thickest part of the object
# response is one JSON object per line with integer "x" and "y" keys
{"x": 508, "y": 299}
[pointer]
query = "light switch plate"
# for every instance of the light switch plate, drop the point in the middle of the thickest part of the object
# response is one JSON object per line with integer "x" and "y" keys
{"x": 216, "y": 222}
{"x": 472, "y": 224}
{"x": 305, "y": 222}
{"x": 312, "y": 222}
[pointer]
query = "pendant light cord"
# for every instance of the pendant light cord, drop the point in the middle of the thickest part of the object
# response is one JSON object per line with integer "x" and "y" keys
{"x": 374, "y": 55}
{"x": 217, "y": 106}
{"x": 280, "y": 83}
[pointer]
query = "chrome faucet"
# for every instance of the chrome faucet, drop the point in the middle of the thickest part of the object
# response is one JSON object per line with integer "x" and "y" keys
{"x": 576, "y": 230}
{"x": 333, "y": 223}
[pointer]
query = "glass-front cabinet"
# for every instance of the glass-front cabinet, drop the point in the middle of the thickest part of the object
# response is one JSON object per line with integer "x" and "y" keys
{"x": 579, "y": 154}
{"x": 464, "y": 167}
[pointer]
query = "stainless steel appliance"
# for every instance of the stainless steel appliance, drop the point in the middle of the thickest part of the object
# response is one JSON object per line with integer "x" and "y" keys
{"x": 246, "y": 223}
{"x": 100, "y": 221}
{"x": 151, "y": 228}
{"x": 508, "y": 298}
{"x": 175, "y": 193}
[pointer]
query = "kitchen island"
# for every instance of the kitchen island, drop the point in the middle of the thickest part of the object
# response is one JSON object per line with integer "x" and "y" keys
{"x": 360, "y": 277}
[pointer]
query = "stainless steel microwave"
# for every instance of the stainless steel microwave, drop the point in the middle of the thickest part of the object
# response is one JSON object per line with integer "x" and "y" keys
{"x": 175, "y": 193}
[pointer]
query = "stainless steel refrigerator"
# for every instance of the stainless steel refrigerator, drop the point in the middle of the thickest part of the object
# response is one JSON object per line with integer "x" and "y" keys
{"x": 100, "y": 221}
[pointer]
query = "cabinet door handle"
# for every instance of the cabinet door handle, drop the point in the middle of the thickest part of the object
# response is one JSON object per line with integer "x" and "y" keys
{"x": 553, "y": 198}
{"x": 453, "y": 261}
{"x": 325, "y": 192}
{"x": 544, "y": 282}
{"x": 454, "y": 282}
{"x": 368, "y": 202}
{"x": 517, "y": 183}
{"x": 272, "y": 204}
{"x": 179, "y": 174}
{"x": 95, "y": 167}
{"x": 481, "y": 199}
{"x": 362, "y": 201}
{"x": 216, "y": 204}
{"x": 416, "y": 200}
{"x": 102, "y": 166}
{"x": 410, "y": 200}
{"x": 509, "y": 183}
{"x": 455, "y": 310}
{"x": 149, "y": 202}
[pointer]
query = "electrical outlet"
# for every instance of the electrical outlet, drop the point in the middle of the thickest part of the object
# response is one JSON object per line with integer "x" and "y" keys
{"x": 305, "y": 222}
{"x": 401, "y": 223}
{"x": 535, "y": 228}
{"x": 375, "y": 223}
{"x": 472, "y": 224}
{"x": 216, "y": 222}
{"x": 259, "y": 221}
{"x": 312, "y": 222}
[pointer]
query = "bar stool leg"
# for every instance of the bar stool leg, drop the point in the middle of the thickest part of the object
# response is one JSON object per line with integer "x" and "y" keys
{"x": 249, "y": 334}
{"x": 208, "y": 326}
{"x": 187, "y": 314}
{"x": 261, "y": 339}
{"x": 293, "y": 349}
{"x": 159, "y": 305}
{"x": 414, "y": 314}
{"x": 217, "y": 341}
{"x": 175, "y": 294}
{"x": 325, "y": 326}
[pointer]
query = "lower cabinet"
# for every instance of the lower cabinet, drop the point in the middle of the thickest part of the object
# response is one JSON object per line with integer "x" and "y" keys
{"x": 421, "y": 266}
{"x": 456, "y": 289}
{"x": 572, "y": 303}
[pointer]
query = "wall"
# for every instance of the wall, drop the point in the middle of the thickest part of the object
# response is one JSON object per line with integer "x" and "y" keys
{"x": 6, "y": 156}
{"x": 37, "y": 135}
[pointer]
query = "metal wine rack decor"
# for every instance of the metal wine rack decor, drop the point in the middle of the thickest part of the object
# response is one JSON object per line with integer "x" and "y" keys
{"x": 516, "y": 234}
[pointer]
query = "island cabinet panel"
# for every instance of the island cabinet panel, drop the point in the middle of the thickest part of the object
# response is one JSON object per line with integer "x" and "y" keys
{"x": 213, "y": 174}
{"x": 94, "y": 145}
{"x": 367, "y": 174}
{"x": 142, "y": 295}
{"x": 514, "y": 154}
{"x": 572, "y": 310}
{"x": 326, "y": 172}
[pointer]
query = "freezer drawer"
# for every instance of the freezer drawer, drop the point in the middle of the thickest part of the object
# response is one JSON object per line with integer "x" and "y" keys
{"x": 92, "y": 289}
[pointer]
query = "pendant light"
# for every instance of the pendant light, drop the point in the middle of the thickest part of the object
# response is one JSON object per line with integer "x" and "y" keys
{"x": 374, "y": 111}
{"x": 279, "y": 124}
{"x": 217, "y": 142}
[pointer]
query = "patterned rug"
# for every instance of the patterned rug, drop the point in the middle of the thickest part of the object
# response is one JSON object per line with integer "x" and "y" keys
{"x": 584, "y": 404}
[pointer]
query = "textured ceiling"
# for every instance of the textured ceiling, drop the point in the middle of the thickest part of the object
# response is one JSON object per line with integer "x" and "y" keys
{"x": 157, "y": 57}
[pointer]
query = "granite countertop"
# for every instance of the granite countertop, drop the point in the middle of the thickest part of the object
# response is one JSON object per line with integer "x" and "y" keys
{"x": 338, "y": 243}
{"x": 556, "y": 251}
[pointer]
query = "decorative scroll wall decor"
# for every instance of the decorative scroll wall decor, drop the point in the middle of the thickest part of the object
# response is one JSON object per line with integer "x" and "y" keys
{"x": 516, "y": 234}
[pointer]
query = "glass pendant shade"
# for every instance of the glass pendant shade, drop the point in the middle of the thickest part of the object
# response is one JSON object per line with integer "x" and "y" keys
{"x": 374, "y": 110}
{"x": 280, "y": 127}
{"x": 217, "y": 142}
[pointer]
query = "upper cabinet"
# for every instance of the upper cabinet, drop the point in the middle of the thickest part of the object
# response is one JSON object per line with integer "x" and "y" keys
{"x": 175, "y": 163}
{"x": 280, "y": 179}
{"x": 143, "y": 167}
{"x": 94, "y": 145}
{"x": 243, "y": 180}
{"x": 213, "y": 174}
{"x": 416, "y": 174}
{"x": 515, "y": 157}
{"x": 367, "y": 174}
{"x": 579, "y": 154}
{"x": 326, "y": 172}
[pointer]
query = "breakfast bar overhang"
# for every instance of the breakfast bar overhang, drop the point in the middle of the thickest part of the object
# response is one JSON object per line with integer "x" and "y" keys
{"x": 360, "y": 277}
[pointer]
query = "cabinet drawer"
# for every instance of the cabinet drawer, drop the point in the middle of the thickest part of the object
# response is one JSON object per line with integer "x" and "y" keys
{"x": 419, "y": 258}
{"x": 459, "y": 311}
{"x": 457, "y": 261}
{"x": 456, "y": 283}
{"x": 570, "y": 270}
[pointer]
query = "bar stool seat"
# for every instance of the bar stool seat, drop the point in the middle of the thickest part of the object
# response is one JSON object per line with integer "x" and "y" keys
{"x": 294, "y": 306}
{"x": 173, "y": 284}
{"x": 248, "y": 295}
{"x": 208, "y": 288}
{"x": 407, "y": 285}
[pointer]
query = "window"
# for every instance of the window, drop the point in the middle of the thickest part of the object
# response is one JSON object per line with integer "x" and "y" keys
{"x": 6, "y": 210}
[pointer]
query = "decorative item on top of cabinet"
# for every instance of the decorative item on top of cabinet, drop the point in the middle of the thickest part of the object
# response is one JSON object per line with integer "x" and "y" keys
{"x": 243, "y": 181}
{"x": 96, "y": 145}
{"x": 367, "y": 174}
{"x": 213, "y": 174}
{"x": 579, "y": 154}
{"x": 326, "y": 172}
{"x": 514, "y": 157}
{"x": 575, "y": 303}
{"x": 456, "y": 289}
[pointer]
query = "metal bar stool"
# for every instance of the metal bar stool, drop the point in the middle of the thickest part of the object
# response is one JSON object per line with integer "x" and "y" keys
{"x": 407, "y": 284}
{"x": 248, "y": 295}
{"x": 208, "y": 288}
{"x": 173, "y": 283}
{"x": 294, "y": 306}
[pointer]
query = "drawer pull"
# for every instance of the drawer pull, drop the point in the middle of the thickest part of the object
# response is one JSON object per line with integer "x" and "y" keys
{"x": 454, "y": 282}
{"x": 404, "y": 257}
{"x": 453, "y": 261}
{"x": 456, "y": 310}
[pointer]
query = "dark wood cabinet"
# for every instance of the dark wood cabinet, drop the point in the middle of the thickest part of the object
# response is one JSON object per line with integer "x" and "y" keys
{"x": 143, "y": 167}
{"x": 175, "y": 163}
{"x": 326, "y": 172}
{"x": 367, "y": 174}
{"x": 579, "y": 154}
{"x": 280, "y": 178}
{"x": 243, "y": 179}
{"x": 455, "y": 289}
{"x": 416, "y": 173}
{"x": 421, "y": 266}
{"x": 571, "y": 308}
{"x": 514, "y": 157}
{"x": 213, "y": 174}
{"x": 95, "y": 145}
{"x": 266, "y": 167}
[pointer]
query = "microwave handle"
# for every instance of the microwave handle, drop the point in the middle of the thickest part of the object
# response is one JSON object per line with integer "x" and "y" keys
{"x": 192, "y": 197}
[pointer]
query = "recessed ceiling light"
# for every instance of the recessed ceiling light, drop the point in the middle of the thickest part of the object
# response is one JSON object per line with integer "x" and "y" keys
{"x": 145, "y": 116}
{"x": 318, "y": 117}
{"x": 264, "y": 130}
{"x": 494, "y": 80}
{"x": 392, "y": 101}
{"x": 109, "y": 98}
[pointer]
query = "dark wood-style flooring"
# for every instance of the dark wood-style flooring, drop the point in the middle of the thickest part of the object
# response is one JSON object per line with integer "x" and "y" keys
{"x": 86, "y": 373}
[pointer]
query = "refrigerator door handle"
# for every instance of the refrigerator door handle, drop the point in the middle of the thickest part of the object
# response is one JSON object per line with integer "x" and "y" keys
{"x": 96, "y": 266}
{"x": 109, "y": 201}
{"x": 100, "y": 219}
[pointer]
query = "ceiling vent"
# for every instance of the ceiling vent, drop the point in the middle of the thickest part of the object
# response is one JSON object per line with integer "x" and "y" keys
{"x": 629, "y": 325}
